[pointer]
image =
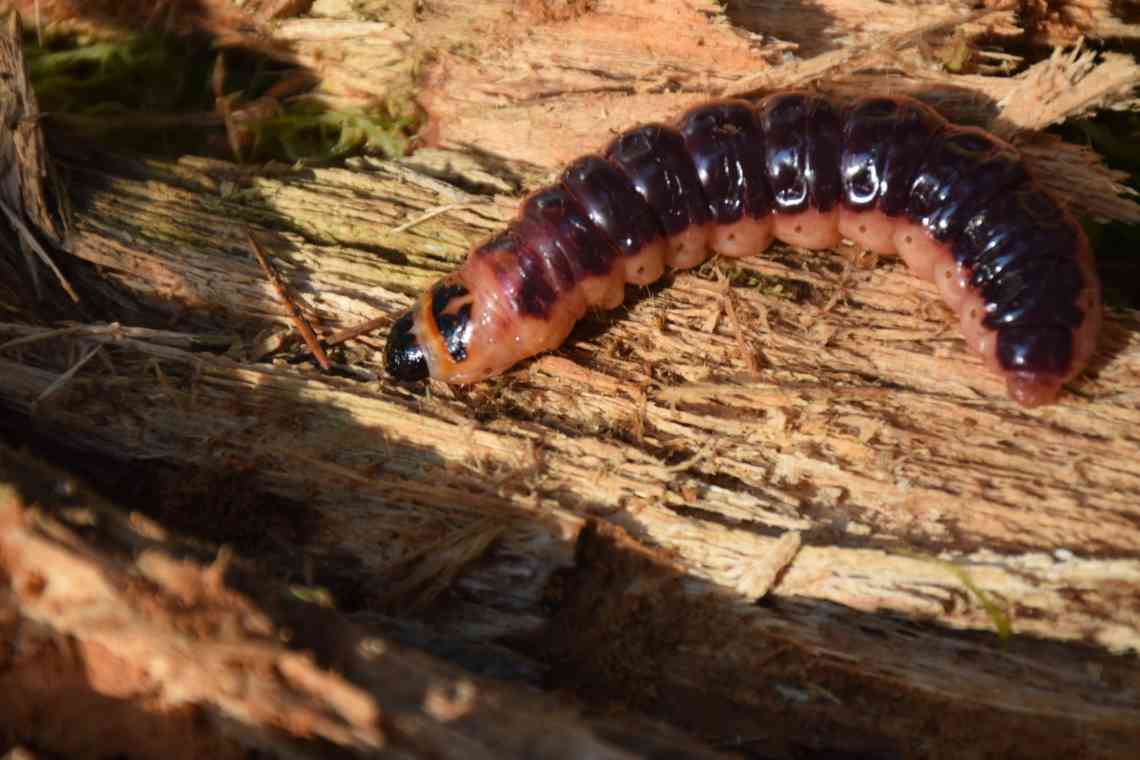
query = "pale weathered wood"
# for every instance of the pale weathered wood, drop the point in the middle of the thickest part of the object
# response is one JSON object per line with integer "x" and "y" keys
{"x": 854, "y": 465}
{"x": 546, "y": 92}
{"x": 851, "y": 433}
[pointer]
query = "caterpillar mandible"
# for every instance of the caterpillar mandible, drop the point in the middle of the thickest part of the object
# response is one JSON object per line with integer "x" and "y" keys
{"x": 888, "y": 173}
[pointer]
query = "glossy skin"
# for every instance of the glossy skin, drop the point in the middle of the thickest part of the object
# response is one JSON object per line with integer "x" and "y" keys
{"x": 803, "y": 137}
{"x": 956, "y": 203}
{"x": 726, "y": 145}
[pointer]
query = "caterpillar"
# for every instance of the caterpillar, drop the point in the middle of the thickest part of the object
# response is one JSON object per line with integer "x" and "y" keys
{"x": 887, "y": 173}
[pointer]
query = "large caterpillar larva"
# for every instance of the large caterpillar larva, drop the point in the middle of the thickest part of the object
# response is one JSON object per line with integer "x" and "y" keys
{"x": 889, "y": 174}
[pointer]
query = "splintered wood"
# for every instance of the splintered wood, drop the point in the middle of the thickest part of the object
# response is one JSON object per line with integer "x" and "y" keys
{"x": 774, "y": 501}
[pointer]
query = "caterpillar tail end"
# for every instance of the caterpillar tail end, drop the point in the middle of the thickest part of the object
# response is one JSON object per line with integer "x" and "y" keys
{"x": 1031, "y": 390}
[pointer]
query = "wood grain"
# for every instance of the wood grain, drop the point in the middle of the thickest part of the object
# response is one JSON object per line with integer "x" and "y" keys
{"x": 833, "y": 527}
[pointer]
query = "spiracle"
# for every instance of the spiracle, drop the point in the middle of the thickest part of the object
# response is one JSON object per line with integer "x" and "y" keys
{"x": 888, "y": 173}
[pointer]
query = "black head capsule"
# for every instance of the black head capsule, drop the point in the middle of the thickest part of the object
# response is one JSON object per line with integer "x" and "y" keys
{"x": 403, "y": 356}
{"x": 448, "y": 322}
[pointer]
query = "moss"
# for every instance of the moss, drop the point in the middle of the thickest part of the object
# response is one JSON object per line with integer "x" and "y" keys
{"x": 97, "y": 88}
{"x": 153, "y": 93}
{"x": 308, "y": 130}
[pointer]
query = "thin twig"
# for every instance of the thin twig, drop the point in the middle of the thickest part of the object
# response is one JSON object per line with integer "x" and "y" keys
{"x": 349, "y": 333}
{"x": 295, "y": 314}
{"x": 428, "y": 215}
{"x": 40, "y": 334}
{"x": 112, "y": 332}
{"x": 27, "y": 236}
{"x": 62, "y": 380}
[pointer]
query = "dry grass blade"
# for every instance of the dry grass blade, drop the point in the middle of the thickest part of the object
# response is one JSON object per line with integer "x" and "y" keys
{"x": 63, "y": 379}
{"x": 29, "y": 242}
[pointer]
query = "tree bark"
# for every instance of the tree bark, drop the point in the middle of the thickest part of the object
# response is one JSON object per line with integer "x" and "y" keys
{"x": 776, "y": 502}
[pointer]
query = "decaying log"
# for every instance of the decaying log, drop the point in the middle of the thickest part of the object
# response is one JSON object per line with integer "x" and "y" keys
{"x": 775, "y": 502}
{"x": 120, "y": 640}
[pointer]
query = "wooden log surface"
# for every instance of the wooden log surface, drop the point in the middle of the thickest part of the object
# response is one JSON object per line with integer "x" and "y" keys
{"x": 124, "y": 639}
{"x": 933, "y": 564}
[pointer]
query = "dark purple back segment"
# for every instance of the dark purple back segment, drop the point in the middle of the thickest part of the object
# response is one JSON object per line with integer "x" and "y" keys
{"x": 867, "y": 132}
{"x": 726, "y": 146}
{"x": 803, "y": 137}
{"x": 654, "y": 159}
{"x": 611, "y": 203}
{"x": 1021, "y": 250}
{"x": 1039, "y": 291}
{"x": 975, "y": 195}
{"x": 554, "y": 221}
{"x": 523, "y": 277}
{"x": 1020, "y": 224}
{"x": 1044, "y": 350}
{"x": 907, "y": 147}
{"x": 964, "y": 170}
{"x": 557, "y": 248}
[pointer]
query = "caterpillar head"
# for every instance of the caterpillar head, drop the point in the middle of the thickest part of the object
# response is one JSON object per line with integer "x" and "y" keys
{"x": 403, "y": 355}
{"x": 432, "y": 336}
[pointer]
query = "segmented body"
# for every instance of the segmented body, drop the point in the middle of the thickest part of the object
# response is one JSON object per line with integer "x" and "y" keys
{"x": 889, "y": 174}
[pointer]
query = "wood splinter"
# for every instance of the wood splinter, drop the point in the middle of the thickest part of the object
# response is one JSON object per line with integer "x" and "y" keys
{"x": 295, "y": 314}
